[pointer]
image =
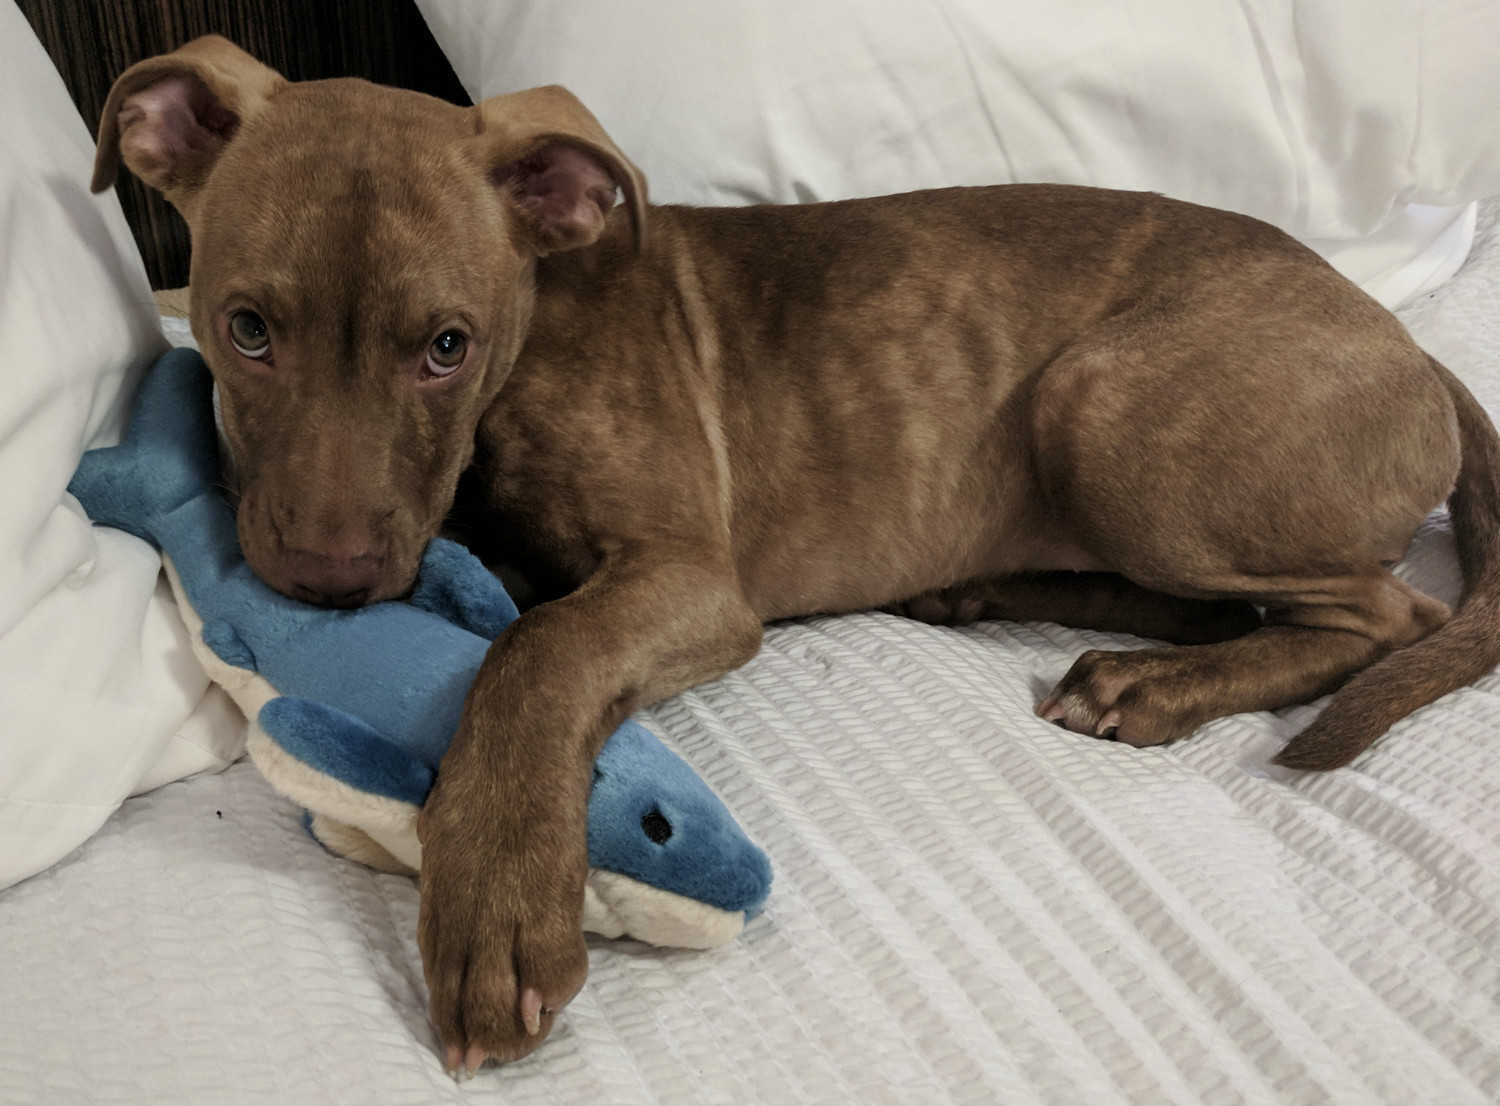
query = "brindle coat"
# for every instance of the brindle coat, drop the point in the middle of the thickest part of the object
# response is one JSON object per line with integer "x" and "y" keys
{"x": 1104, "y": 408}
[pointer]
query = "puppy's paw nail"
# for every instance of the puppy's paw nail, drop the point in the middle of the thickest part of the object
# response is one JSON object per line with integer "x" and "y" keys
{"x": 453, "y": 1061}
{"x": 472, "y": 1061}
{"x": 1051, "y": 710}
{"x": 531, "y": 1010}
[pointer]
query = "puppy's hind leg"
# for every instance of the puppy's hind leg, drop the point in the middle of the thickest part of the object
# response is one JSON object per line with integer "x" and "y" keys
{"x": 1280, "y": 450}
{"x": 1089, "y": 601}
{"x": 1318, "y": 633}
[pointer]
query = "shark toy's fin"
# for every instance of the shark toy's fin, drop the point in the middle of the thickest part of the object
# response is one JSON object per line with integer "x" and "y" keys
{"x": 343, "y": 747}
{"x": 452, "y": 583}
{"x": 227, "y": 644}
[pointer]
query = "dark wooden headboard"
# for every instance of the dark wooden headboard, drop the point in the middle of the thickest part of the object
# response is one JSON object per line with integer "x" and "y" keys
{"x": 93, "y": 41}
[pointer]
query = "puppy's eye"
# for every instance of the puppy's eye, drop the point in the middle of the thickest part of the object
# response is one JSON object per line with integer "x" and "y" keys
{"x": 249, "y": 335}
{"x": 446, "y": 352}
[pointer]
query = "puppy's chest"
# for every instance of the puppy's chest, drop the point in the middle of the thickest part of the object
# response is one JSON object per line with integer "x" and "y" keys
{"x": 571, "y": 477}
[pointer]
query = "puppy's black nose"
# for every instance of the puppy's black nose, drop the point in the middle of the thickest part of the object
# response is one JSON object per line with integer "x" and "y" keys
{"x": 331, "y": 581}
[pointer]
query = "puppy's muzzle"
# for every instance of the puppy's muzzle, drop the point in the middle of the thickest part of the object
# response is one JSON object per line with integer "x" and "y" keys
{"x": 331, "y": 581}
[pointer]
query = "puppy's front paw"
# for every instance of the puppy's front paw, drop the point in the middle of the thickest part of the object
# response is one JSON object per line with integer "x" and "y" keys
{"x": 500, "y": 930}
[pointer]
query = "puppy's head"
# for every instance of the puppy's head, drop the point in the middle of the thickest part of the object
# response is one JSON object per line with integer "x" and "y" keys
{"x": 361, "y": 285}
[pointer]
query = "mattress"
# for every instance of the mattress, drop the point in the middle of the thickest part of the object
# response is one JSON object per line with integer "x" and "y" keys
{"x": 970, "y": 905}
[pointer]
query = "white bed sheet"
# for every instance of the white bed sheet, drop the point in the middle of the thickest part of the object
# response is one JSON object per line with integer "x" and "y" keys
{"x": 970, "y": 905}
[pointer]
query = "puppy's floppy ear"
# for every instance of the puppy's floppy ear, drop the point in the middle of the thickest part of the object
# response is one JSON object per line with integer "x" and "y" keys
{"x": 170, "y": 117}
{"x": 558, "y": 166}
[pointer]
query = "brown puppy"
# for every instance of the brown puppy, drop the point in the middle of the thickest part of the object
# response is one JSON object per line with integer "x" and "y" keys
{"x": 1102, "y": 408}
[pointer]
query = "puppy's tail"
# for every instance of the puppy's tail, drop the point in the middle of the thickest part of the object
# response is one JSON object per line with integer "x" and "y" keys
{"x": 1458, "y": 653}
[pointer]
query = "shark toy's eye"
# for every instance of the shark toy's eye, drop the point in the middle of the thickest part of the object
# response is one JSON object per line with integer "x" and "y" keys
{"x": 446, "y": 353}
{"x": 248, "y": 334}
{"x": 655, "y": 826}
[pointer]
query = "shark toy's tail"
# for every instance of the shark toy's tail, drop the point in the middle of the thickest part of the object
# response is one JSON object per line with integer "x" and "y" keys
{"x": 167, "y": 458}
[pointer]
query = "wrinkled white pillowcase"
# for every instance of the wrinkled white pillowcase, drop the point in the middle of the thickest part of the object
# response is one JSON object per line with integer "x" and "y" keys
{"x": 99, "y": 693}
{"x": 1364, "y": 127}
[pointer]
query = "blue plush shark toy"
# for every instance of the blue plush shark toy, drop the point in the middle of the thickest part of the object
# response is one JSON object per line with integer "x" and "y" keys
{"x": 352, "y": 710}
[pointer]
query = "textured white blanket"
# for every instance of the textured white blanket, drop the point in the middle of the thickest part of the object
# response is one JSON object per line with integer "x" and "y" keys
{"x": 970, "y": 905}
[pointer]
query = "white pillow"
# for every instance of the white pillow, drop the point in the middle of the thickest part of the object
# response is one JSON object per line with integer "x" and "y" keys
{"x": 1365, "y": 127}
{"x": 98, "y": 686}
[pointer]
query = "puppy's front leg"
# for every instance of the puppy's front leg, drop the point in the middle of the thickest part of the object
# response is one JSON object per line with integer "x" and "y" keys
{"x": 504, "y": 831}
